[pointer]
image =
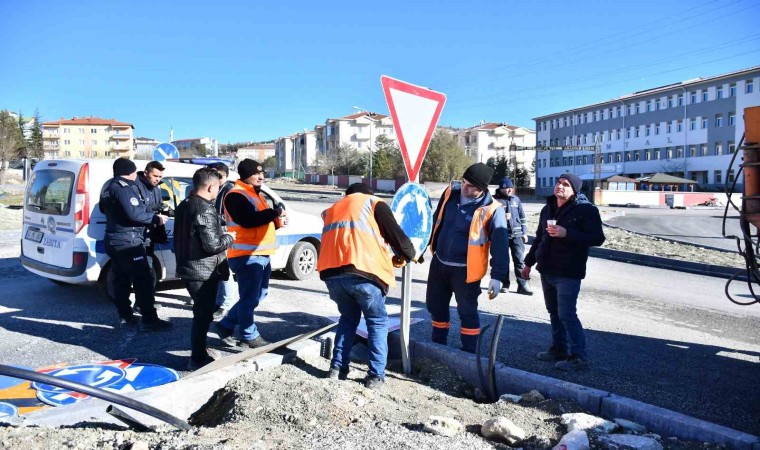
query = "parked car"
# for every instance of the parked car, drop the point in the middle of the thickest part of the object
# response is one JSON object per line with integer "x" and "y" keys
{"x": 63, "y": 229}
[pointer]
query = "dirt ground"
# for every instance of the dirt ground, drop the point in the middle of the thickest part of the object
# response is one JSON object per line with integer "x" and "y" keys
{"x": 294, "y": 406}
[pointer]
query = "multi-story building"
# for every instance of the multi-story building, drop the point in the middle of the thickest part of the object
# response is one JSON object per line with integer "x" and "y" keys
{"x": 490, "y": 140}
{"x": 689, "y": 129}
{"x": 144, "y": 147}
{"x": 283, "y": 153}
{"x": 87, "y": 137}
{"x": 257, "y": 152}
{"x": 359, "y": 131}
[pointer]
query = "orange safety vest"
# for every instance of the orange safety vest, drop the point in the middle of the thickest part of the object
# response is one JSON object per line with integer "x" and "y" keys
{"x": 259, "y": 240}
{"x": 478, "y": 243}
{"x": 351, "y": 236}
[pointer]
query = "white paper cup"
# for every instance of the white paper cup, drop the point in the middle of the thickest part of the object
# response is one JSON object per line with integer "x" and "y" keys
{"x": 551, "y": 223}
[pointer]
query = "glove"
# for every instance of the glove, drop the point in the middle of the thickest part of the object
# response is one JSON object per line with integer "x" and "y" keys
{"x": 398, "y": 262}
{"x": 493, "y": 289}
{"x": 420, "y": 260}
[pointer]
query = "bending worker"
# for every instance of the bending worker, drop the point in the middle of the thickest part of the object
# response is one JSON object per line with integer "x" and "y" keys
{"x": 355, "y": 264}
{"x": 468, "y": 223}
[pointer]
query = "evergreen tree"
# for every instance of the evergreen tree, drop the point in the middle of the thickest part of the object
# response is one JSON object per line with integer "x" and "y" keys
{"x": 35, "y": 148}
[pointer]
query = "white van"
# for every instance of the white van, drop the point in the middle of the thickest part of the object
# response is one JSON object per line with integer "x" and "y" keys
{"x": 63, "y": 229}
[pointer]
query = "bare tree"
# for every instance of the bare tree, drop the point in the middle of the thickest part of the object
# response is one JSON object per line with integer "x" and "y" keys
{"x": 11, "y": 140}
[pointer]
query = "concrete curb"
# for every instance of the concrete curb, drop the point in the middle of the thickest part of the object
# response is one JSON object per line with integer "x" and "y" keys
{"x": 510, "y": 380}
{"x": 181, "y": 398}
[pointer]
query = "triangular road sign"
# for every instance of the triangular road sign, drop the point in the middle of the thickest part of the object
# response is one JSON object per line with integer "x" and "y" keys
{"x": 415, "y": 111}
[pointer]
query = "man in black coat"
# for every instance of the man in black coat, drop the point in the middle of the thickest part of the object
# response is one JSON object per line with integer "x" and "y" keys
{"x": 227, "y": 294}
{"x": 200, "y": 243}
{"x": 569, "y": 224}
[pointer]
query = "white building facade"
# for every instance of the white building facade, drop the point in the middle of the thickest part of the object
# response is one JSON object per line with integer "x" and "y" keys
{"x": 689, "y": 129}
{"x": 359, "y": 131}
{"x": 490, "y": 140}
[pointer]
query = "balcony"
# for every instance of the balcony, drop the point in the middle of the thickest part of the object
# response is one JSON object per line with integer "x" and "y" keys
{"x": 120, "y": 149}
{"x": 50, "y": 136}
{"x": 119, "y": 137}
{"x": 362, "y": 136}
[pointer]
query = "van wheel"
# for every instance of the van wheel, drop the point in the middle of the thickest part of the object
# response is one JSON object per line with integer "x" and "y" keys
{"x": 302, "y": 261}
{"x": 60, "y": 283}
{"x": 104, "y": 286}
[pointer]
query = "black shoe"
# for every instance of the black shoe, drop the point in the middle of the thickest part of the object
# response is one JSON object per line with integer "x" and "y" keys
{"x": 225, "y": 334}
{"x": 373, "y": 382}
{"x": 256, "y": 342}
{"x": 211, "y": 356}
{"x": 220, "y": 313}
{"x": 553, "y": 354}
{"x": 129, "y": 321}
{"x": 156, "y": 325}
{"x": 504, "y": 290}
{"x": 572, "y": 363}
{"x": 524, "y": 290}
{"x": 136, "y": 308}
{"x": 338, "y": 374}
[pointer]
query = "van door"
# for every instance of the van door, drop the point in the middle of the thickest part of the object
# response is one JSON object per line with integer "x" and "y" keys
{"x": 173, "y": 191}
{"x": 48, "y": 231}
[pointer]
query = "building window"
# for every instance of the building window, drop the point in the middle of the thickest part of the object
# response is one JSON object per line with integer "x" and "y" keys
{"x": 693, "y": 124}
{"x": 656, "y": 129}
{"x": 596, "y": 116}
{"x": 93, "y": 130}
{"x": 670, "y": 102}
{"x": 627, "y": 156}
{"x": 679, "y": 126}
{"x": 680, "y": 100}
{"x": 718, "y": 177}
{"x": 693, "y": 97}
{"x": 731, "y": 146}
{"x": 66, "y": 142}
{"x": 679, "y": 152}
{"x": 719, "y": 93}
{"x": 81, "y": 153}
{"x": 730, "y": 176}
{"x": 718, "y": 120}
{"x": 669, "y": 128}
{"x": 650, "y": 105}
{"x": 609, "y": 157}
{"x": 66, "y": 131}
{"x": 81, "y": 142}
{"x": 618, "y": 157}
{"x": 669, "y": 152}
{"x": 731, "y": 119}
{"x": 620, "y": 111}
{"x": 585, "y": 159}
{"x": 638, "y": 108}
{"x": 657, "y": 104}
{"x": 748, "y": 87}
{"x": 732, "y": 90}
{"x": 637, "y": 131}
{"x": 648, "y": 130}
{"x": 704, "y": 95}
{"x": 703, "y": 150}
{"x": 718, "y": 148}
{"x": 617, "y": 135}
{"x": 81, "y": 130}
{"x": 635, "y": 156}
{"x": 704, "y": 123}
{"x": 657, "y": 153}
{"x": 629, "y": 112}
{"x": 628, "y": 133}
{"x": 609, "y": 135}
{"x": 692, "y": 151}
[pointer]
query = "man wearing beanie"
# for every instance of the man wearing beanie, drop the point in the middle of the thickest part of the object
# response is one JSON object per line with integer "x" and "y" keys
{"x": 253, "y": 221}
{"x": 518, "y": 232}
{"x": 127, "y": 219}
{"x": 468, "y": 223}
{"x": 569, "y": 224}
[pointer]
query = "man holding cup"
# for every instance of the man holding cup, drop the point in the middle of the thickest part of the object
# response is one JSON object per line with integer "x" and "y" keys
{"x": 569, "y": 224}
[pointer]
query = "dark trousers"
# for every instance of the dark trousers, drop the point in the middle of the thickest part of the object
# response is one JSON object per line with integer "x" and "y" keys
{"x": 203, "y": 294}
{"x": 517, "y": 250}
{"x": 561, "y": 298}
{"x": 133, "y": 267}
{"x": 443, "y": 281}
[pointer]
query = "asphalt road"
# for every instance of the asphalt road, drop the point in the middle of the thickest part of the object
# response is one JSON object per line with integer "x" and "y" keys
{"x": 662, "y": 337}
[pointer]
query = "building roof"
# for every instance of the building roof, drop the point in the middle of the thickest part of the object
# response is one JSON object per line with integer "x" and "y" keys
{"x": 372, "y": 115}
{"x": 91, "y": 120}
{"x": 651, "y": 91}
{"x": 663, "y": 178}
{"x": 619, "y": 179}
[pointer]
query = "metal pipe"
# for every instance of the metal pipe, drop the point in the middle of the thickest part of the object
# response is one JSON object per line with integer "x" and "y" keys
{"x": 478, "y": 353}
{"x": 31, "y": 375}
{"x": 130, "y": 421}
{"x": 492, "y": 358}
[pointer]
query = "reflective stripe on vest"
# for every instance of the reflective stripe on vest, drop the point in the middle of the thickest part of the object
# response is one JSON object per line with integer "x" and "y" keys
{"x": 478, "y": 243}
{"x": 259, "y": 240}
{"x": 351, "y": 236}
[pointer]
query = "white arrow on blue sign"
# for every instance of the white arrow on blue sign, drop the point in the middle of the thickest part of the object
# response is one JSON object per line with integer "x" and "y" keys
{"x": 164, "y": 151}
{"x": 412, "y": 210}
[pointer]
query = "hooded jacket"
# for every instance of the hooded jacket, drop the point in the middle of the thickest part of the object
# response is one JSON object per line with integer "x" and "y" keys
{"x": 566, "y": 257}
{"x": 518, "y": 225}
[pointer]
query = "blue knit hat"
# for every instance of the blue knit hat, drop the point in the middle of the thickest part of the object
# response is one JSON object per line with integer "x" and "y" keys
{"x": 506, "y": 182}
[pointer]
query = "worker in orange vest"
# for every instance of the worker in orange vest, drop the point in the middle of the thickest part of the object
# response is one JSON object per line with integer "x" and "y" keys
{"x": 355, "y": 263}
{"x": 468, "y": 223}
{"x": 253, "y": 221}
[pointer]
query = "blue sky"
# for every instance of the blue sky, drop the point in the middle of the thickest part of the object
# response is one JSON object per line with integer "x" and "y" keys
{"x": 258, "y": 70}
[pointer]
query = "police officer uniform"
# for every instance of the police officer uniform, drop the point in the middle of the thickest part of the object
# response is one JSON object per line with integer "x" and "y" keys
{"x": 127, "y": 217}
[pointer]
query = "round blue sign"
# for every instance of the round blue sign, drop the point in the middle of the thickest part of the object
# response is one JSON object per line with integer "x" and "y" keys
{"x": 413, "y": 212}
{"x": 165, "y": 151}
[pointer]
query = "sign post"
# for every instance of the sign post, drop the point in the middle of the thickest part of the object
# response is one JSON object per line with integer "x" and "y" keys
{"x": 415, "y": 111}
{"x": 165, "y": 151}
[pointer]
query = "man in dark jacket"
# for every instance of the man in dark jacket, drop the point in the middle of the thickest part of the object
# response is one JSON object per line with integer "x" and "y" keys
{"x": 226, "y": 296}
{"x": 148, "y": 181}
{"x": 569, "y": 224}
{"x": 517, "y": 226}
{"x": 199, "y": 244}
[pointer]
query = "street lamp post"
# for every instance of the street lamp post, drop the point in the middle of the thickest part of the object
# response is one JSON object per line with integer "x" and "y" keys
{"x": 372, "y": 121}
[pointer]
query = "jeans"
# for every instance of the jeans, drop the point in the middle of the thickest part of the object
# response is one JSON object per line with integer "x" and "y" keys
{"x": 561, "y": 297}
{"x": 444, "y": 280}
{"x": 356, "y": 296}
{"x": 226, "y": 294}
{"x": 203, "y": 294}
{"x": 517, "y": 250}
{"x": 253, "y": 284}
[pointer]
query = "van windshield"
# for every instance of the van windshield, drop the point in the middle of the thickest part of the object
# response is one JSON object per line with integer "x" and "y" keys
{"x": 49, "y": 192}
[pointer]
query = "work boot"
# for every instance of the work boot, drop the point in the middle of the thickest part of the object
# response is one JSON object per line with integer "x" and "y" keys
{"x": 256, "y": 342}
{"x": 553, "y": 354}
{"x": 524, "y": 289}
{"x": 373, "y": 382}
{"x": 211, "y": 356}
{"x": 338, "y": 374}
{"x": 225, "y": 334}
{"x": 136, "y": 308}
{"x": 572, "y": 363}
{"x": 129, "y": 321}
{"x": 156, "y": 325}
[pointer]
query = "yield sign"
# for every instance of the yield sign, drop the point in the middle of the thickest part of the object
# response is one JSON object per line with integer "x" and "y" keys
{"x": 415, "y": 111}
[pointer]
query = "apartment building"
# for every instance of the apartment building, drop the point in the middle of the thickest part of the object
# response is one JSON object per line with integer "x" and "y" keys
{"x": 196, "y": 144}
{"x": 359, "y": 131}
{"x": 283, "y": 153}
{"x": 491, "y": 139}
{"x": 144, "y": 147}
{"x": 87, "y": 137}
{"x": 689, "y": 129}
{"x": 257, "y": 152}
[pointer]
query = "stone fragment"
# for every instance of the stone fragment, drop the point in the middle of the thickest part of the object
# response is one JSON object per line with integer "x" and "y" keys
{"x": 502, "y": 429}
{"x": 443, "y": 426}
{"x": 533, "y": 397}
{"x": 512, "y": 398}
{"x": 630, "y": 426}
{"x": 574, "y": 440}
{"x": 583, "y": 421}
{"x": 628, "y": 442}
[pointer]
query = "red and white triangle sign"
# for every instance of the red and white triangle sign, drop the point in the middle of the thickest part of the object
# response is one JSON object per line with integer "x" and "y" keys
{"x": 415, "y": 111}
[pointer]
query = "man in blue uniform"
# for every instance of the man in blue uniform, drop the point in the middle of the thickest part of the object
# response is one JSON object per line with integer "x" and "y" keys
{"x": 127, "y": 217}
{"x": 518, "y": 232}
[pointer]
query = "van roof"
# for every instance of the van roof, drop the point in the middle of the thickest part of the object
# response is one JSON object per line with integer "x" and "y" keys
{"x": 106, "y": 165}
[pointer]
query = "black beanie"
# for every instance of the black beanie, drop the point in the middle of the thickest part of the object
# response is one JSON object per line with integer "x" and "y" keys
{"x": 123, "y": 166}
{"x": 360, "y": 188}
{"x": 575, "y": 181}
{"x": 479, "y": 175}
{"x": 248, "y": 167}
